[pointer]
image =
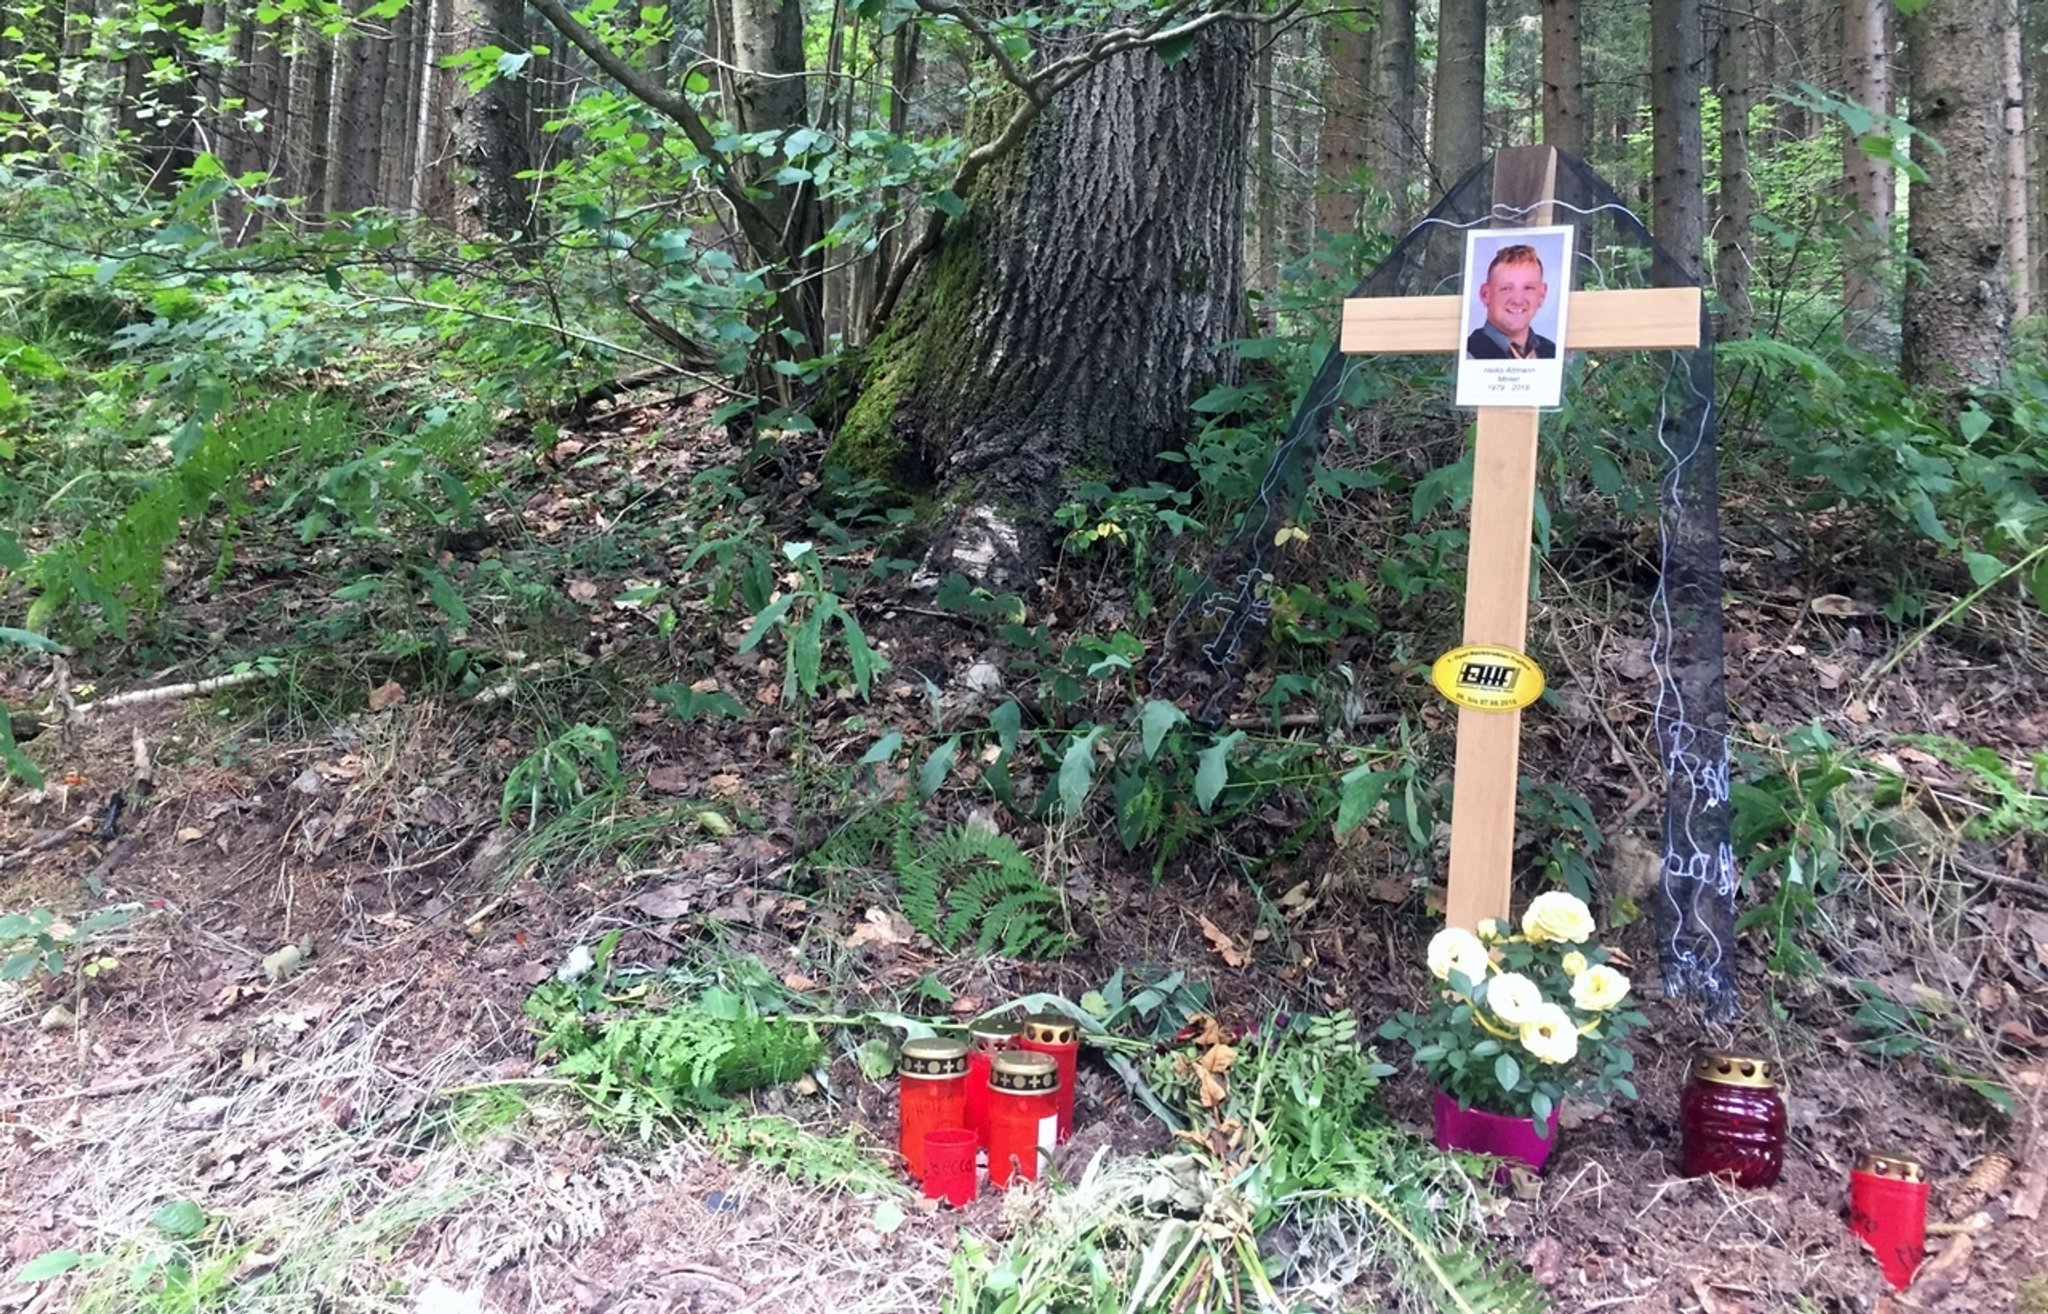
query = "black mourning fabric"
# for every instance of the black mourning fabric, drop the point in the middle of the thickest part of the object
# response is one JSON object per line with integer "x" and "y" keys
{"x": 1212, "y": 640}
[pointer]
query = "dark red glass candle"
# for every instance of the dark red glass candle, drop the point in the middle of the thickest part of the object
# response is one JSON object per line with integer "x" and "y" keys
{"x": 1888, "y": 1211}
{"x": 1732, "y": 1121}
{"x": 931, "y": 1092}
{"x": 1059, "y": 1036}
{"x": 1023, "y": 1114}
{"x": 985, "y": 1040}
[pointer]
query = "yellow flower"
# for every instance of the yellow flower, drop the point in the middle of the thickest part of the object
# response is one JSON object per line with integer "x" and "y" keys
{"x": 1547, "y": 1033}
{"x": 1491, "y": 929}
{"x": 1513, "y": 997}
{"x": 1456, "y": 949}
{"x": 1574, "y": 963}
{"x": 1598, "y": 989}
{"x": 1557, "y": 916}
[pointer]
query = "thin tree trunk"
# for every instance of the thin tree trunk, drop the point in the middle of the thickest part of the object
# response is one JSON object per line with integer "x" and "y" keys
{"x": 765, "y": 87}
{"x": 1958, "y": 312}
{"x": 1341, "y": 150}
{"x": 1677, "y": 190}
{"x": 1391, "y": 151}
{"x": 398, "y": 112}
{"x": 425, "y": 106}
{"x": 491, "y": 129}
{"x": 1866, "y": 254}
{"x": 2017, "y": 243}
{"x": 1564, "y": 77}
{"x": 1072, "y": 313}
{"x": 1735, "y": 219}
{"x": 1265, "y": 264}
{"x": 1457, "y": 137}
{"x": 306, "y": 140}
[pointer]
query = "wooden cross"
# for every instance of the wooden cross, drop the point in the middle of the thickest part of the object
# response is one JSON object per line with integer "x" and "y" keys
{"x": 1503, "y": 511}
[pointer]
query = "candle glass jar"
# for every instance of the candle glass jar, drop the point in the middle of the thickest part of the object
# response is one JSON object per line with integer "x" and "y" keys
{"x": 1732, "y": 1121}
{"x": 1888, "y": 1212}
{"x": 1060, "y": 1037}
{"x": 1023, "y": 1114}
{"x": 931, "y": 1093}
{"x": 985, "y": 1040}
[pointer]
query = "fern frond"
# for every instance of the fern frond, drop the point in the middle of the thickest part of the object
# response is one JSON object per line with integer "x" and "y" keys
{"x": 972, "y": 885}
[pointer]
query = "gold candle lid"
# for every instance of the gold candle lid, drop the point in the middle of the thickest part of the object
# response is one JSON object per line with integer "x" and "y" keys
{"x": 933, "y": 1058}
{"x": 1023, "y": 1071}
{"x": 1897, "y": 1167}
{"x": 1734, "y": 1070}
{"x": 1051, "y": 1029}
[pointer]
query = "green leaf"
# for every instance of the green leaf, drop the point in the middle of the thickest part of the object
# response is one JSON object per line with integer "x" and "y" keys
{"x": 1008, "y": 720}
{"x": 806, "y": 650}
{"x": 1539, "y": 1104}
{"x": 1361, "y": 790}
{"x": 2037, "y": 583}
{"x": 1984, "y": 567}
{"x": 18, "y": 965}
{"x": 888, "y": 1217}
{"x": 766, "y": 621}
{"x": 1158, "y": 717}
{"x": 54, "y": 1264}
{"x": 179, "y": 1219}
{"x": 1507, "y": 1072}
{"x": 1077, "y": 772}
{"x": 884, "y": 749}
{"x": 945, "y": 200}
{"x": 1212, "y": 772}
{"x": 933, "y": 773}
{"x": 445, "y": 597}
{"x": 1974, "y": 423}
{"x": 1175, "y": 49}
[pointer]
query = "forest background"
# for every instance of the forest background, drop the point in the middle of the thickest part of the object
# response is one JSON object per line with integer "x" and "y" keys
{"x": 688, "y": 500}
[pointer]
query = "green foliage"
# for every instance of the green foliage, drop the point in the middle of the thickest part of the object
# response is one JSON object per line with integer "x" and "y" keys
{"x": 778, "y": 1145}
{"x": 972, "y": 890}
{"x": 807, "y": 616}
{"x": 560, "y": 774}
{"x": 38, "y": 942}
{"x": 641, "y": 1064}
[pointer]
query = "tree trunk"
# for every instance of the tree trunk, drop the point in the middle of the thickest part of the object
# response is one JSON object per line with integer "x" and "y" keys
{"x": 1736, "y": 211}
{"x": 2017, "y": 243}
{"x": 1677, "y": 188}
{"x": 1564, "y": 77}
{"x": 1265, "y": 258}
{"x": 1958, "y": 313}
{"x": 1072, "y": 313}
{"x": 765, "y": 88}
{"x": 306, "y": 115}
{"x": 1866, "y": 57}
{"x": 1341, "y": 145}
{"x": 491, "y": 129}
{"x": 1457, "y": 135}
{"x": 1391, "y": 150}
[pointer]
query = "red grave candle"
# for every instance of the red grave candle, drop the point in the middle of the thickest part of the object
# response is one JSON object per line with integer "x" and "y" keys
{"x": 1732, "y": 1121}
{"x": 985, "y": 1039}
{"x": 1023, "y": 1114}
{"x": 931, "y": 1092}
{"x": 1888, "y": 1212}
{"x": 1059, "y": 1036}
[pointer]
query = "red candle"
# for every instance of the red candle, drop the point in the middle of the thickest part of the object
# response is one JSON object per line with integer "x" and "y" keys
{"x": 931, "y": 1093}
{"x": 1023, "y": 1115}
{"x": 1732, "y": 1121}
{"x": 949, "y": 1172}
{"x": 986, "y": 1039}
{"x": 1059, "y": 1036}
{"x": 1888, "y": 1211}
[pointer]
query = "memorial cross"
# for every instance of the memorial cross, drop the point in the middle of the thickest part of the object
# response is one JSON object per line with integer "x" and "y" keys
{"x": 1503, "y": 511}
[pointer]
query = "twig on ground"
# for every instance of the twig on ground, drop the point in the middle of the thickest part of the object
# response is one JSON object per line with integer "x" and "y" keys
{"x": 165, "y": 693}
{"x": 44, "y": 843}
{"x": 121, "y": 1087}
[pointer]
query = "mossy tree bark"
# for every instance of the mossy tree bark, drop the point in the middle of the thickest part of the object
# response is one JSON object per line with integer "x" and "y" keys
{"x": 1073, "y": 312}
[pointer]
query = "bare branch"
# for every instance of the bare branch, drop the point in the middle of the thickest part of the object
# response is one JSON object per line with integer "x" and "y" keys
{"x": 990, "y": 45}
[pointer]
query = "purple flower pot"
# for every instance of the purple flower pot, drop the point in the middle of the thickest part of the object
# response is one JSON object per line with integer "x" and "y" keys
{"x": 1511, "y": 1136}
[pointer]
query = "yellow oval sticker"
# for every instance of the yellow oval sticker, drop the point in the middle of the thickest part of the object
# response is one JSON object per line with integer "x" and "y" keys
{"x": 1487, "y": 679}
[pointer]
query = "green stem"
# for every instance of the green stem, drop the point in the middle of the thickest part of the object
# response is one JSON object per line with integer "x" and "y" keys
{"x": 1961, "y": 605}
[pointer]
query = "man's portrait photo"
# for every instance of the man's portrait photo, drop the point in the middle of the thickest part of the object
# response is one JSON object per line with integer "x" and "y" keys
{"x": 1514, "y": 300}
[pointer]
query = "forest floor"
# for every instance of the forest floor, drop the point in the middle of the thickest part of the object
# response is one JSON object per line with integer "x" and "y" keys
{"x": 358, "y": 1119}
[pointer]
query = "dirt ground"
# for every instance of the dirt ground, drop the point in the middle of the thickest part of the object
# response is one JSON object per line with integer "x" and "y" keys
{"x": 312, "y": 1102}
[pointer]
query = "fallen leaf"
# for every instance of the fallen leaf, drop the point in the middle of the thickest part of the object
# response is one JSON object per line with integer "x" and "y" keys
{"x": 1223, "y": 944}
{"x": 668, "y": 780}
{"x": 1831, "y": 673}
{"x": 387, "y": 696}
{"x": 1390, "y": 889}
{"x": 1546, "y": 1260}
{"x": 880, "y": 926}
{"x": 709, "y": 684}
{"x": 1857, "y": 711}
{"x": 1835, "y": 604}
{"x": 582, "y": 590}
{"x": 798, "y": 982}
{"x": 1210, "y": 1070}
{"x": 190, "y": 833}
{"x": 666, "y": 902}
{"x": 1634, "y": 664}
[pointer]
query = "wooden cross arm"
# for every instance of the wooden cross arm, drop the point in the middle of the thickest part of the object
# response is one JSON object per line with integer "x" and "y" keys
{"x": 1653, "y": 319}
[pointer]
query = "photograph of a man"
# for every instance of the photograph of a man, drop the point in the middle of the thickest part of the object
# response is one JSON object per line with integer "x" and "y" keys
{"x": 1514, "y": 296}
{"x": 1513, "y": 292}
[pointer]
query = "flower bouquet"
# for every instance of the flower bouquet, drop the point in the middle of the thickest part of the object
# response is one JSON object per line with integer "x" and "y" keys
{"x": 1521, "y": 1021}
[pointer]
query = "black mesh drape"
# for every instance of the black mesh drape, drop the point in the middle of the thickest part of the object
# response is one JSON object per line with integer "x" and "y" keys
{"x": 1211, "y": 640}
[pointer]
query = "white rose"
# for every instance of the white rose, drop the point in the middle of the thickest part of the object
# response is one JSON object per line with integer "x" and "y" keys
{"x": 1598, "y": 989}
{"x": 1557, "y": 916}
{"x": 1513, "y": 998}
{"x": 1574, "y": 963}
{"x": 1548, "y": 1034}
{"x": 1456, "y": 949}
